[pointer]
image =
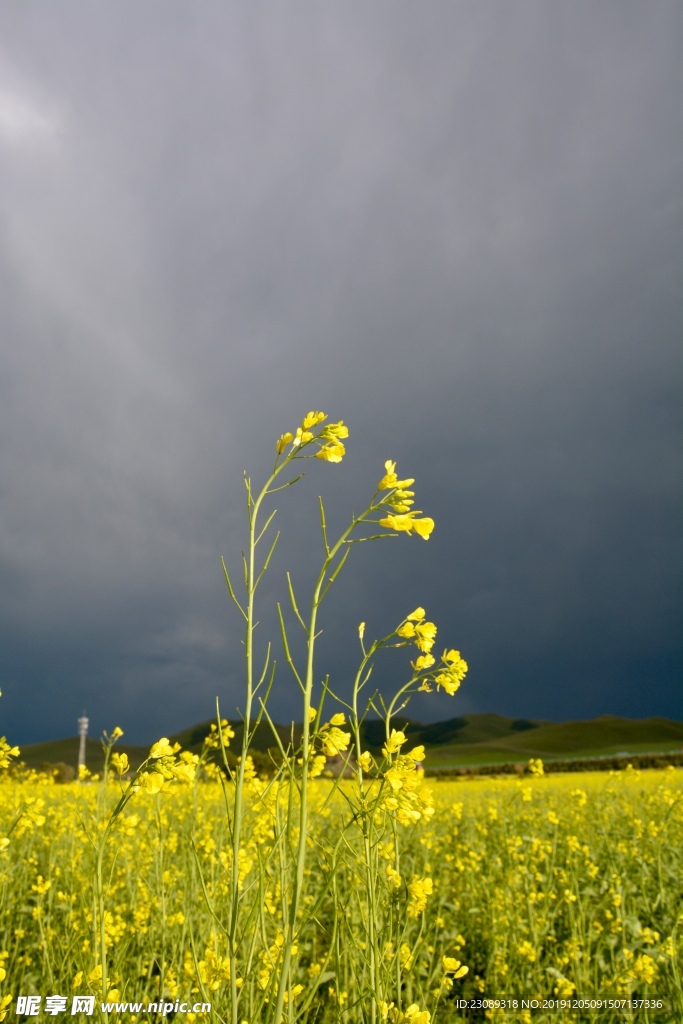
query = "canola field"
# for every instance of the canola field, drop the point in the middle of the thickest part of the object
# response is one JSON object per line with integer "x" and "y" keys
{"x": 540, "y": 898}
{"x": 182, "y": 889}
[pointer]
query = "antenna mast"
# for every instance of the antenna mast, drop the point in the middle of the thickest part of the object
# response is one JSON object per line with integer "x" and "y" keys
{"x": 82, "y": 734}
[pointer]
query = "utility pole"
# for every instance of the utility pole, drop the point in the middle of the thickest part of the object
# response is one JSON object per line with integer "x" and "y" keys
{"x": 82, "y": 734}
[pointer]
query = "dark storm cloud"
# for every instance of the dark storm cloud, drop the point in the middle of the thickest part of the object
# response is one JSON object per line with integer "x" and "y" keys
{"x": 458, "y": 228}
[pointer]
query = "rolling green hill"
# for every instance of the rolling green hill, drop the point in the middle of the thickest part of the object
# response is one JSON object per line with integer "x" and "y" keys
{"x": 464, "y": 731}
{"x": 467, "y": 730}
{"x": 35, "y": 755}
{"x": 596, "y": 737}
{"x": 469, "y": 740}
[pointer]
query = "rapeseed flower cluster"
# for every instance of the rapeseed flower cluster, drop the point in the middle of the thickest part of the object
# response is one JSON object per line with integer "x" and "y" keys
{"x": 420, "y": 889}
{"x": 452, "y": 669}
{"x": 411, "y": 1015}
{"x": 333, "y": 742}
{"x": 120, "y": 763}
{"x": 166, "y": 762}
{"x": 328, "y": 440}
{"x": 7, "y": 753}
{"x": 218, "y": 734}
{"x": 399, "y": 500}
{"x": 405, "y": 796}
{"x": 333, "y": 739}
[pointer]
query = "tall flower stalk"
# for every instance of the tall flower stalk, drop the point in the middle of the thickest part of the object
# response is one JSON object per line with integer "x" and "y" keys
{"x": 390, "y": 509}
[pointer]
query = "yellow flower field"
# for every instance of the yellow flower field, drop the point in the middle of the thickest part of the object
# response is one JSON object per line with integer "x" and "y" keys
{"x": 561, "y": 887}
{"x": 190, "y": 886}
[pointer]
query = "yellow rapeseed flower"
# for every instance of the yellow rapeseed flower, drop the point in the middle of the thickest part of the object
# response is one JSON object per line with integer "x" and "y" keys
{"x": 454, "y": 967}
{"x": 301, "y": 437}
{"x": 151, "y": 782}
{"x": 120, "y": 763}
{"x": 312, "y": 419}
{"x": 644, "y": 969}
{"x": 425, "y": 635}
{"x": 334, "y": 431}
{"x": 527, "y": 951}
{"x": 227, "y": 733}
{"x": 420, "y": 889}
{"x": 393, "y": 877}
{"x": 390, "y": 480}
{"x": 317, "y": 766}
{"x": 416, "y": 754}
{"x": 394, "y": 742}
{"x": 332, "y": 452}
{"x": 95, "y": 975}
{"x": 423, "y": 528}
{"x": 162, "y": 748}
{"x": 405, "y": 522}
{"x": 414, "y": 1015}
{"x": 453, "y": 671}
{"x": 334, "y": 741}
{"x": 406, "y": 630}
{"x": 390, "y": 474}
{"x": 7, "y": 752}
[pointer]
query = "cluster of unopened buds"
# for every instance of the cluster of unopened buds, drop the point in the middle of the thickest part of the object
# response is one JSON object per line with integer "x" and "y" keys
{"x": 449, "y": 674}
{"x": 329, "y": 439}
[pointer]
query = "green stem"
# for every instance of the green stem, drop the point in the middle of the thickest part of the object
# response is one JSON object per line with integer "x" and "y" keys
{"x": 251, "y": 582}
{"x": 366, "y": 819}
{"x": 305, "y": 754}
{"x": 99, "y": 885}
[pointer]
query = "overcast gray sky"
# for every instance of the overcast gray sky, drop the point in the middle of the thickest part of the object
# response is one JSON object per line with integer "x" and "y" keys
{"x": 454, "y": 226}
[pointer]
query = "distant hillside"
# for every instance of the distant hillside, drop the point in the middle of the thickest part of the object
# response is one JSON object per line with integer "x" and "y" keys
{"x": 35, "y": 755}
{"x": 471, "y": 739}
{"x": 193, "y": 738}
{"x": 478, "y": 739}
{"x": 467, "y": 730}
{"x": 608, "y": 730}
{"x": 596, "y": 737}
